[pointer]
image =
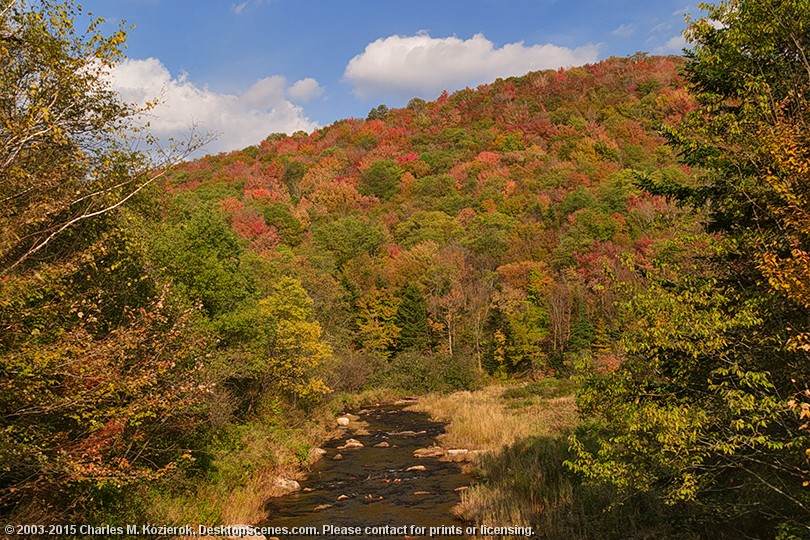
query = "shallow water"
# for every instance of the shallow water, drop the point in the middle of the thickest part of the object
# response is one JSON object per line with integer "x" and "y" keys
{"x": 375, "y": 488}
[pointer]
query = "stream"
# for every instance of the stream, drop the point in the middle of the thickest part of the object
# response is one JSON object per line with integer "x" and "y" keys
{"x": 371, "y": 486}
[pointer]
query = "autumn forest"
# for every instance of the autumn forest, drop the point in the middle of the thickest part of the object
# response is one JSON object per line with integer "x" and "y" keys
{"x": 632, "y": 234}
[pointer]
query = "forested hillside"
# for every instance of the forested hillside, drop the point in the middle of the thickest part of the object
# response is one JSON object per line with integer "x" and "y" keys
{"x": 174, "y": 334}
{"x": 488, "y": 225}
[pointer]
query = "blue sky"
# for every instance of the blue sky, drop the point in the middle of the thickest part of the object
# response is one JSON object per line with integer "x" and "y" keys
{"x": 247, "y": 68}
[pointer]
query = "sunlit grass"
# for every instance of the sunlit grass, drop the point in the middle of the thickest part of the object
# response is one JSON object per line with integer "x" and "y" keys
{"x": 522, "y": 433}
{"x": 522, "y": 481}
{"x": 489, "y": 419}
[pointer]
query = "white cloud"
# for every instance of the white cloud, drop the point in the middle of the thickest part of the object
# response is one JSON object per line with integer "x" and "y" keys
{"x": 239, "y": 8}
{"x": 265, "y": 92}
{"x": 238, "y": 120}
{"x": 423, "y": 66}
{"x": 674, "y": 45}
{"x": 624, "y": 30}
{"x": 305, "y": 90}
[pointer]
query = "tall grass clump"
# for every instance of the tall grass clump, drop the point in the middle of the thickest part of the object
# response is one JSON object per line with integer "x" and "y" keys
{"x": 527, "y": 484}
{"x": 522, "y": 435}
{"x": 484, "y": 420}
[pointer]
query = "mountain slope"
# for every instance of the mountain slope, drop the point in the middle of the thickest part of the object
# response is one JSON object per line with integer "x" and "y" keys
{"x": 489, "y": 221}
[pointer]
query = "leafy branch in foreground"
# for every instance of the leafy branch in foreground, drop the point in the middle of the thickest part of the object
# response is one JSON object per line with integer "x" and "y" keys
{"x": 709, "y": 410}
{"x": 66, "y": 139}
{"x": 99, "y": 363}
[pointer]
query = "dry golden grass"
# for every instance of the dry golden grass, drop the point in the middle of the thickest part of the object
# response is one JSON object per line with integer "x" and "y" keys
{"x": 492, "y": 506}
{"x": 483, "y": 420}
{"x": 245, "y": 505}
{"x": 506, "y": 423}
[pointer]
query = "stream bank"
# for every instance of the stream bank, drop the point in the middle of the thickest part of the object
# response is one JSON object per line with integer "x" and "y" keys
{"x": 376, "y": 481}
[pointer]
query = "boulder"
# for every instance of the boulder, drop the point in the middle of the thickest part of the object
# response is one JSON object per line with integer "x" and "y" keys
{"x": 350, "y": 443}
{"x": 430, "y": 451}
{"x": 420, "y": 468}
{"x": 457, "y": 454}
{"x": 337, "y": 457}
{"x": 382, "y": 445}
{"x": 287, "y": 484}
{"x": 315, "y": 454}
{"x": 321, "y": 507}
{"x": 343, "y": 421}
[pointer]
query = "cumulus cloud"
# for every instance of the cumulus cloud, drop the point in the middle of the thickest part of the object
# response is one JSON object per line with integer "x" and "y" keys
{"x": 264, "y": 92}
{"x": 238, "y": 120}
{"x": 423, "y": 66}
{"x": 305, "y": 90}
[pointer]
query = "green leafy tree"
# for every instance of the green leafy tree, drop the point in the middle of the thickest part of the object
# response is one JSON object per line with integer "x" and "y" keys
{"x": 347, "y": 238}
{"x": 378, "y": 113}
{"x": 517, "y": 326}
{"x": 488, "y": 234}
{"x": 423, "y": 226}
{"x": 290, "y": 343}
{"x": 708, "y": 410}
{"x": 272, "y": 346}
{"x": 98, "y": 363}
{"x": 289, "y": 228}
{"x": 202, "y": 256}
{"x": 377, "y": 328}
{"x": 381, "y": 179}
{"x": 64, "y": 146}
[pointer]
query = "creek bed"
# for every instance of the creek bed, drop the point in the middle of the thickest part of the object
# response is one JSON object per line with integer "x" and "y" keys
{"x": 371, "y": 487}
